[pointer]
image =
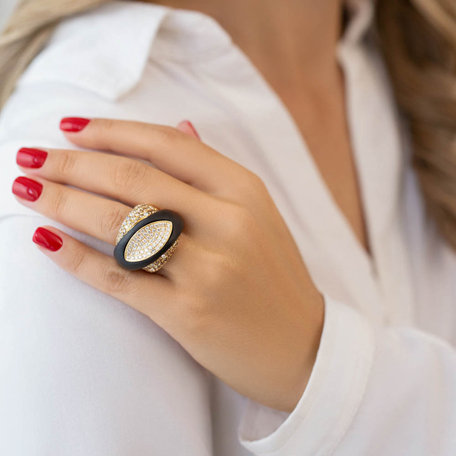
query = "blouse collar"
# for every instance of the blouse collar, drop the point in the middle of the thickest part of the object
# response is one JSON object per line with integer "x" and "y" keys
{"x": 361, "y": 14}
{"x": 188, "y": 35}
{"x": 105, "y": 50}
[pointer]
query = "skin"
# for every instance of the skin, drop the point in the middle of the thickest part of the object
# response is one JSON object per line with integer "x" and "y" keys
{"x": 236, "y": 293}
{"x": 294, "y": 48}
{"x": 246, "y": 263}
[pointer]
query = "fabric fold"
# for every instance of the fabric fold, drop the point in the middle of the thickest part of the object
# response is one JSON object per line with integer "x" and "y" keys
{"x": 331, "y": 399}
{"x": 114, "y": 55}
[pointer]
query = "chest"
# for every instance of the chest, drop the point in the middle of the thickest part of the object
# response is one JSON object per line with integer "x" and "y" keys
{"x": 322, "y": 121}
{"x": 299, "y": 143}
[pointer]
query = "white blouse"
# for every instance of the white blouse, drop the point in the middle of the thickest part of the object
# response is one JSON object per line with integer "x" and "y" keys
{"x": 84, "y": 374}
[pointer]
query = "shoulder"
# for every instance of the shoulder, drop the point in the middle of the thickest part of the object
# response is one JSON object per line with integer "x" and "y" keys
{"x": 89, "y": 68}
{"x": 103, "y": 50}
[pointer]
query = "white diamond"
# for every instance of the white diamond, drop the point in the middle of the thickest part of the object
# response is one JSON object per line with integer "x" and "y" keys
{"x": 148, "y": 240}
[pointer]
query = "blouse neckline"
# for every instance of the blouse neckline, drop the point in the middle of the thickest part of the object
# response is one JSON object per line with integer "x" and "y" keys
{"x": 122, "y": 37}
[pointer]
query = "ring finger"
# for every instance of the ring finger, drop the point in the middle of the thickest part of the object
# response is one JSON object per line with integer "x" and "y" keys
{"x": 90, "y": 214}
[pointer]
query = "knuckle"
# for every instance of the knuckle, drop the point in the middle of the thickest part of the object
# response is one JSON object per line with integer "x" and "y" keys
{"x": 129, "y": 174}
{"x": 76, "y": 261}
{"x": 66, "y": 163}
{"x": 110, "y": 222}
{"x": 104, "y": 125}
{"x": 116, "y": 282}
{"x": 257, "y": 183}
{"x": 195, "y": 312}
{"x": 214, "y": 274}
{"x": 199, "y": 301}
{"x": 59, "y": 202}
{"x": 216, "y": 271}
{"x": 165, "y": 134}
{"x": 239, "y": 222}
{"x": 250, "y": 184}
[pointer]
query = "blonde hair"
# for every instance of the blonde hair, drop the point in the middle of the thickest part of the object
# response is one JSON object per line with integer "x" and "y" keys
{"x": 418, "y": 41}
{"x": 27, "y": 32}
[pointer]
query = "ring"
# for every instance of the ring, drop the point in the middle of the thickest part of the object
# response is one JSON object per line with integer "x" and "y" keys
{"x": 147, "y": 238}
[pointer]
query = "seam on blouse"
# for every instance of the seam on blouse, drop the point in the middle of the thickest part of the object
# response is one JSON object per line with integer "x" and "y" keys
{"x": 200, "y": 57}
{"x": 365, "y": 357}
{"x": 358, "y": 394}
{"x": 309, "y": 406}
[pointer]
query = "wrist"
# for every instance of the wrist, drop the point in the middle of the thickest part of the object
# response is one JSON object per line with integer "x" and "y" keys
{"x": 315, "y": 321}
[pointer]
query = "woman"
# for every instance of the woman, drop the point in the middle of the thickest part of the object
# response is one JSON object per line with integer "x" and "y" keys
{"x": 309, "y": 305}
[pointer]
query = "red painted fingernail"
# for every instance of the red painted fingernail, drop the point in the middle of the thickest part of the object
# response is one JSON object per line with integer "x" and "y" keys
{"x": 73, "y": 124}
{"x": 47, "y": 239}
{"x": 191, "y": 129}
{"x": 27, "y": 188}
{"x": 31, "y": 158}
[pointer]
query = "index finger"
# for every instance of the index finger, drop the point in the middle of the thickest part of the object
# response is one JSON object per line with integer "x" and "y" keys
{"x": 171, "y": 150}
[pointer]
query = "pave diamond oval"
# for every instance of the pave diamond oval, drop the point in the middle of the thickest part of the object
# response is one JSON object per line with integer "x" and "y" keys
{"x": 148, "y": 240}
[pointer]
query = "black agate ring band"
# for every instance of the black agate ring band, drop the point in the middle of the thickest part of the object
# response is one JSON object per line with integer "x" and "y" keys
{"x": 147, "y": 238}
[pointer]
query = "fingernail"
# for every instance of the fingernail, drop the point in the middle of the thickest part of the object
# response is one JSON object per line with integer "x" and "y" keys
{"x": 47, "y": 239}
{"x": 187, "y": 127}
{"x": 73, "y": 124}
{"x": 27, "y": 188}
{"x": 31, "y": 158}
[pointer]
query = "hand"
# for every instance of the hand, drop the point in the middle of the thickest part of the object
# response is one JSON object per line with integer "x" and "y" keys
{"x": 235, "y": 294}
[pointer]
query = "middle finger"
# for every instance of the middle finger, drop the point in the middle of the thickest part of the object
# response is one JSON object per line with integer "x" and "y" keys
{"x": 90, "y": 214}
{"x": 125, "y": 179}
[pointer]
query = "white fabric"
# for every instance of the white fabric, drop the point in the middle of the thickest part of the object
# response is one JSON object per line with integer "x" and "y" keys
{"x": 6, "y": 8}
{"x": 83, "y": 374}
